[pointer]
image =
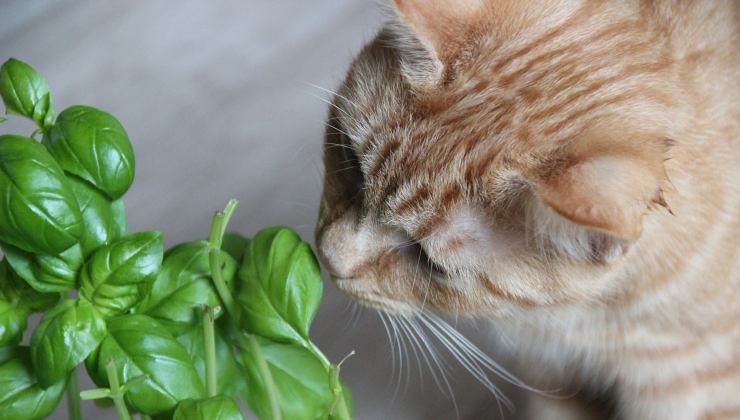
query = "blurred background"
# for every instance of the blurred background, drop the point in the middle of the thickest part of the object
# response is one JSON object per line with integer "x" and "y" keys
{"x": 224, "y": 99}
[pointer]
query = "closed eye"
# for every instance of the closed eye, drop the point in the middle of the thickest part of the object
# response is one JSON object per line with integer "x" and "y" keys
{"x": 415, "y": 250}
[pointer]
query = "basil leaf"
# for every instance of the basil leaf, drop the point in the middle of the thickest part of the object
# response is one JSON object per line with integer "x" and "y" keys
{"x": 280, "y": 286}
{"x": 184, "y": 285}
{"x": 19, "y": 293}
{"x": 25, "y": 92}
{"x": 302, "y": 383}
{"x": 139, "y": 345}
{"x": 235, "y": 244}
{"x": 93, "y": 145}
{"x": 12, "y": 323}
{"x": 111, "y": 279}
{"x": 230, "y": 381}
{"x": 21, "y": 397}
{"x": 46, "y": 273}
{"x": 104, "y": 220}
{"x": 38, "y": 214}
{"x": 7, "y": 353}
{"x": 215, "y": 408}
{"x": 65, "y": 336}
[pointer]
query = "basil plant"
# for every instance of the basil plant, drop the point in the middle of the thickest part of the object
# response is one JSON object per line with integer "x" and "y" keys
{"x": 186, "y": 333}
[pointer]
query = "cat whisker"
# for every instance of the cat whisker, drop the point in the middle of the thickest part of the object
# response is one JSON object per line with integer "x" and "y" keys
{"x": 471, "y": 366}
{"x": 352, "y": 308}
{"x": 416, "y": 270}
{"x": 447, "y": 388}
{"x": 359, "y": 311}
{"x": 381, "y": 314}
{"x": 479, "y": 356}
{"x": 401, "y": 345}
{"x": 413, "y": 344}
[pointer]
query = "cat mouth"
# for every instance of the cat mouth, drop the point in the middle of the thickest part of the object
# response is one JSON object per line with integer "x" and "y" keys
{"x": 362, "y": 292}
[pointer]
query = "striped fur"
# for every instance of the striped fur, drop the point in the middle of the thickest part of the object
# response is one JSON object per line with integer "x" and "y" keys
{"x": 569, "y": 170}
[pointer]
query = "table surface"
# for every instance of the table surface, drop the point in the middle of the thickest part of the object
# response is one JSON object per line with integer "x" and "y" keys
{"x": 220, "y": 100}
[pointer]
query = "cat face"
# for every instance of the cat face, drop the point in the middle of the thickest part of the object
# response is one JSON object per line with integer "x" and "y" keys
{"x": 481, "y": 158}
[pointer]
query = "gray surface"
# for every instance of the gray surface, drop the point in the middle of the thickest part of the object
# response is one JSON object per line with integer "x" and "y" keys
{"x": 217, "y": 99}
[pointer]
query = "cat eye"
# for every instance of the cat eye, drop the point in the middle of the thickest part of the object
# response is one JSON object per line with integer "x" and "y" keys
{"x": 424, "y": 260}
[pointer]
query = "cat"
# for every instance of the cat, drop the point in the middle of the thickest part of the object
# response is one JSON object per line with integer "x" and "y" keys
{"x": 568, "y": 170}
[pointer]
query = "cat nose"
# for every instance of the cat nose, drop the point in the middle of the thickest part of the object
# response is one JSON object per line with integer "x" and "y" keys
{"x": 332, "y": 261}
{"x": 339, "y": 251}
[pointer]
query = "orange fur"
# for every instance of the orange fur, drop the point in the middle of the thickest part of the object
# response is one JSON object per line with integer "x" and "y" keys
{"x": 569, "y": 170}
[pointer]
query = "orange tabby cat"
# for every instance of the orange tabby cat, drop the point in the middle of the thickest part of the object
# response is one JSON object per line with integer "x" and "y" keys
{"x": 570, "y": 170}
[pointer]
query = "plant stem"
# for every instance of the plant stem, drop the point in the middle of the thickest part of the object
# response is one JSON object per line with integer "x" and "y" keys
{"x": 342, "y": 409}
{"x": 254, "y": 347}
{"x": 214, "y": 261}
{"x": 315, "y": 350}
{"x": 215, "y": 238}
{"x": 74, "y": 409}
{"x": 209, "y": 337}
{"x": 228, "y": 212}
{"x": 115, "y": 389}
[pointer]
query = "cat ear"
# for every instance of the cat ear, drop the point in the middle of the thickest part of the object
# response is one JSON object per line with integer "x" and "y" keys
{"x": 606, "y": 186}
{"x": 429, "y": 33}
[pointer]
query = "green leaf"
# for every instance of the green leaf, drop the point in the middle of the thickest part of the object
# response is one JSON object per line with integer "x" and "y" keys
{"x": 230, "y": 380}
{"x": 12, "y": 323}
{"x": 301, "y": 381}
{"x": 46, "y": 273}
{"x": 104, "y": 220}
{"x": 235, "y": 244}
{"x": 215, "y": 408}
{"x": 39, "y": 213}
{"x": 65, "y": 336}
{"x": 184, "y": 284}
{"x": 8, "y": 352}
{"x": 93, "y": 145}
{"x": 19, "y": 293}
{"x": 139, "y": 345}
{"x": 113, "y": 276}
{"x": 21, "y": 397}
{"x": 280, "y": 286}
{"x": 25, "y": 92}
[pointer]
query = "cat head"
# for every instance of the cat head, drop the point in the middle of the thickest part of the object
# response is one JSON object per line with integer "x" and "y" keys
{"x": 482, "y": 156}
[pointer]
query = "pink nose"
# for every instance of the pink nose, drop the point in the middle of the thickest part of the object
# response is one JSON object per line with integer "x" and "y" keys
{"x": 328, "y": 260}
{"x": 342, "y": 247}
{"x": 338, "y": 253}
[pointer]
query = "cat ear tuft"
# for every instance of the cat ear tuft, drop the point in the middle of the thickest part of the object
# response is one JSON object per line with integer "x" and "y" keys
{"x": 429, "y": 33}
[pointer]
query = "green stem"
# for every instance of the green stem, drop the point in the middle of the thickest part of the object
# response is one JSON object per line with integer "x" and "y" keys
{"x": 209, "y": 337}
{"x": 115, "y": 389}
{"x": 74, "y": 408}
{"x": 254, "y": 347}
{"x": 315, "y": 350}
{"x": 214, "y": 260}
{"x": 342, "y": 409}
{"x": 215, "y": 238}
{"x": 228, "y": 212}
